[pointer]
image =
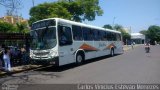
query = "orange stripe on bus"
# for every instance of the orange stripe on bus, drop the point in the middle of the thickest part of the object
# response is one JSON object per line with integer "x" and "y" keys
{"x": 88, "y": 47}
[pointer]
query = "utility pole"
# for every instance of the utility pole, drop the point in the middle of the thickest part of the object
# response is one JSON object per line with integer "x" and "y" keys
{"x": 33, "y": 2}
{"x": 130, "y": 28}
{"x": 113, "y": 20}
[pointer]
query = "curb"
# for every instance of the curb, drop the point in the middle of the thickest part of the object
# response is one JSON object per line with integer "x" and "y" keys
{"x": 126, "y": 47}
{"x": 129, "y": 47}
{"x": 19, "y": 69}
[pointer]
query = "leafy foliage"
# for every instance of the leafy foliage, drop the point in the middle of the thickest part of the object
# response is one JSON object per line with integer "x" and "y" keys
{"x": 144, "y": 32}
{"x": 22, "y": 28}
{"x": 125, "y": 35}
{"x": 10, "y": 28}
{"x": 48, "y": 10}
{"x": 153, "y": 33}
{"x": 91, "y": 8}
{"x": 118, "y": 27}
{"x": 7, "y": 27}
{"x": 107, "y": 26}
{"x": 76, "y": 10}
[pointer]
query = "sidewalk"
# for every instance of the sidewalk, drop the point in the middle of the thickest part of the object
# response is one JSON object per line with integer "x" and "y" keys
{"x": 128, "y": 47}
{"x": 19, "y": 69}
{"x": 30, "y": 67}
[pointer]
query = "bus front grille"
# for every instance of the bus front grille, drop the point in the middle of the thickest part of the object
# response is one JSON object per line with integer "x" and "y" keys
{"x": 41, "y": 53}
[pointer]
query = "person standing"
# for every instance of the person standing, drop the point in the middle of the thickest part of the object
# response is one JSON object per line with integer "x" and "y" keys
{"x": 24, "y": 55}
{"x": 6, "y": 58}
{"x": 132, "y": 44}
{"x": 1, "y": 57}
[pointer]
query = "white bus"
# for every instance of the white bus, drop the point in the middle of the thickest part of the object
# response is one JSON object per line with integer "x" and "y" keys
{"x": 60, "y": 42}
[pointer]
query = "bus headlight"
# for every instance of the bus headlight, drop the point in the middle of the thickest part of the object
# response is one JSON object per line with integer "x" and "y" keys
{"x": 52, "y": 53}
{"x": 31, "y": 53}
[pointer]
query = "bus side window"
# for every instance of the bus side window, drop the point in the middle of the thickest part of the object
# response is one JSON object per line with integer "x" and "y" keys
{"x": 114, "y": 36}
{"x": 97, "y": 36}
{"x": 77, "y": 33}
{"x": 105, "y": 36}
{"x": 91, "y": 38}
{"x": 65, "y": 36}
{"x": 87, "y": 34}
{"x": 109, "y": 36}
{"x": 118, "y": 37}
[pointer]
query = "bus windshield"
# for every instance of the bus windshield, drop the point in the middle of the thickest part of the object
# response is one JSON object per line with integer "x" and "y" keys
{"x": 44, "y": 38}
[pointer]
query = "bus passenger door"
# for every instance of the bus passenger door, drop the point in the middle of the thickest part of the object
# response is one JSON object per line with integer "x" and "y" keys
{"x": 65, "y": 45}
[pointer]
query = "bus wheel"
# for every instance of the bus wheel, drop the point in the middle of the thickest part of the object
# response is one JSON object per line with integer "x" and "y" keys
{"x": 112, "y": 52}
{"x": 79, "y": 59}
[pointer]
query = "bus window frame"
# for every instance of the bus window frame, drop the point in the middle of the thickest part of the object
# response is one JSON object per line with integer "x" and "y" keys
{"x": 76, "y": 28}
{"x": 70, "y": 41}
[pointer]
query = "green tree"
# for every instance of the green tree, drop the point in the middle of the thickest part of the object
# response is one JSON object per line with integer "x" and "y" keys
{"x": 107, "y": 26}
{"x": 118, "y": 27}
{"x": 10, "y": 28}
{"x": 76, "y": 10}
{"x": 126, "y": 36}
{"x": 90, "y": 9}
{"x": 22, "y": 28}
{"x": 144, "y": 32}
{"x": 153, "y": 33}
{"x": 82, "y": 10}
{"x": 73, "y": 8}
{"x": 48, "y": 10}
{"x": 7, "y": 27}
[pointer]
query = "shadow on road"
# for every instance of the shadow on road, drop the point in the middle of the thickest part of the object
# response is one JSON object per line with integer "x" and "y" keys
{"x": 71, "y": 66}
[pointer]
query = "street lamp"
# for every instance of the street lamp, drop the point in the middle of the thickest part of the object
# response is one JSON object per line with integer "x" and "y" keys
{"x": 113, "y": 20}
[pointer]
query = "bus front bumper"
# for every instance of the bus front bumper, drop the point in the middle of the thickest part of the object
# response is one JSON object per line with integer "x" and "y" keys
{"x": 40, "y": 61}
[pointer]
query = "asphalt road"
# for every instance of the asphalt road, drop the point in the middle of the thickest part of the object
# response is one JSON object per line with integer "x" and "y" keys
{"x": 132, "y": 67}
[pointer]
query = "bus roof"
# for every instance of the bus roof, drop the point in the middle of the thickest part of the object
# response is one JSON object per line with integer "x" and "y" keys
{"x": 80, "y": 24}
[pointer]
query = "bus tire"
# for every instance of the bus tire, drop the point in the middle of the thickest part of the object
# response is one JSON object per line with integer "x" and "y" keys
{"x": 79, "y": 58}
{"x": 112, "y": 52}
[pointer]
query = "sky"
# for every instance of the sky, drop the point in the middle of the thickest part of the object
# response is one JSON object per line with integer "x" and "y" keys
{"x": 136, "y": 15}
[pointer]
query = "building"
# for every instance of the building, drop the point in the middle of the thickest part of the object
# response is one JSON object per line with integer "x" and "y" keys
{"x": 138, "y": 38}
{"x": 14, "y": 20}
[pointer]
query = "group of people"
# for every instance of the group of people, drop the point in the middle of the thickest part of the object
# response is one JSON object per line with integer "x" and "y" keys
{"x": 7, "y": 56}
